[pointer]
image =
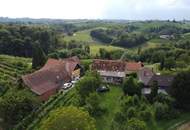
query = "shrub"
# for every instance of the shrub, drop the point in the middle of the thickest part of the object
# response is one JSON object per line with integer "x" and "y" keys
{"x": 145, "y": 115}
{"x": 131, "y": 113}
{"x": 135, "y": 124}
{"x": 136, "y": 100}
{"x": 131, "y": 87}
{"x": 161, "y": 110}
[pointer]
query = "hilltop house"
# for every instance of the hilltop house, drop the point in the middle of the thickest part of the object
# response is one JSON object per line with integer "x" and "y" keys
{"x": 148, "y": 77}
{"x": 46, "y": 81}
{"x": 167, "y": 36}
{"x": 114, "y": 71}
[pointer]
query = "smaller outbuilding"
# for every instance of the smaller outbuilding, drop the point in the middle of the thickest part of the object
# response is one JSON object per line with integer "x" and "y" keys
{"x": 148, "y": 77}
{"x": 115, "y": 71}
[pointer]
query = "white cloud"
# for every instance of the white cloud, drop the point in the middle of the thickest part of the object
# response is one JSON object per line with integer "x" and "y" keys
{"x": 92, "y": 9}
{"x": 52, "y": 8}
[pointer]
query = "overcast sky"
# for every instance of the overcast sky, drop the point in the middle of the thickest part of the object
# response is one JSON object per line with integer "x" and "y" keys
{"x": 96, "y": 9}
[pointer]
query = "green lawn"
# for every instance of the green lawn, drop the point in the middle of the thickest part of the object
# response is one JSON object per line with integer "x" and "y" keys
{"x": 80, "y": 36}
{"x": 110, "y": 101}
{"x": 83, "y": 36}
{"x": 94, "y": 48}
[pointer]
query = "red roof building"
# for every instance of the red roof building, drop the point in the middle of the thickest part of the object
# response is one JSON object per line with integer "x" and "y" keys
{"x": 133, "y": 67}
{"x": 46, "y": 81}
{"x": 114, "y": 71}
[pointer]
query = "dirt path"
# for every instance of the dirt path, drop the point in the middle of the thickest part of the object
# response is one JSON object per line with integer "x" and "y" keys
{"x": 184, "y": 127}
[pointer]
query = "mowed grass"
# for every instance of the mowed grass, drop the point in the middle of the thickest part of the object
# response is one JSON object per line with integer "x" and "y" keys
{"x": 83, "y": 36}
{"x": 111, "y": 102}
{"x": 153, "y": 43}
{"x": 94, "y": 48}
{"x": 80, "y": 36}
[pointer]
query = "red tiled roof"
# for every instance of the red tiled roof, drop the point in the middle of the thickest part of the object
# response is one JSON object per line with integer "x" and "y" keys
{"x": 109, "y": 65}
{"x": 116, "y": 65}
{"x": 134, "y": 66}
{"x": 73, "y": 59}
{"x": 51, "y": 76}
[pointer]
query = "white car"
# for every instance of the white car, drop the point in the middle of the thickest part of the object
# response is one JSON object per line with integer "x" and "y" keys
{"x": 67, "y": 85}
{"x": 73, "y": 82}
{"x": 77, "y": 78}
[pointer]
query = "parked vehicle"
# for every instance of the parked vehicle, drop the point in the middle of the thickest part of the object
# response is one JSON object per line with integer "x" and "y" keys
{"x": 103, "y": 89}
{"x": 73, "y": 82}
{"x": 77, "y": 78}
{"x": 67, "y": 85}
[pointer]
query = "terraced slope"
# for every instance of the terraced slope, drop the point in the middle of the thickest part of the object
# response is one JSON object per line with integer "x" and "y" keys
{"x": 34, "y": 120}
{"x": 11, "y": 69}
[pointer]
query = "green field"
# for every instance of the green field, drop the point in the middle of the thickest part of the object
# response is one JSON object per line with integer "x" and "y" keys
{"x": 83, "y": 36}
{"x": 94, "y": 48}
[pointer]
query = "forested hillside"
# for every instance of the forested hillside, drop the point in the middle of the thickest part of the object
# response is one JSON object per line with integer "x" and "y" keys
{"x": 18, "y": 40}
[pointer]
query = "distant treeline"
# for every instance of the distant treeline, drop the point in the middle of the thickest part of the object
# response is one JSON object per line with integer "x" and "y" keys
{"x": 168, "y": 30}
{"x": 119, "y": 38}
{"x": 130, "y": 40}
{"x": 18, "y": 40}
{"x": 101, "y": 35}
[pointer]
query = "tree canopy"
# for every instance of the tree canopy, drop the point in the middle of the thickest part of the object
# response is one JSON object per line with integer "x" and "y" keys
{"x": 69, "y": 118}
{"x": 180, "y": 89}
{"x": 15, "y": 105}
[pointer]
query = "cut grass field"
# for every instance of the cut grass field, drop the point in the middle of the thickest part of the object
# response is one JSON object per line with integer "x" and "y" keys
{"x": 83, "y": 36}
{"x": 94, "y": 48}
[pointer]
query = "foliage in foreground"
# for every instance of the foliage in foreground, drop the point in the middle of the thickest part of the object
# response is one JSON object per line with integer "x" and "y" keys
{"x": 180, "y": 90}
{"x": 69, "y": 118}
{"x": 15, "y": 105}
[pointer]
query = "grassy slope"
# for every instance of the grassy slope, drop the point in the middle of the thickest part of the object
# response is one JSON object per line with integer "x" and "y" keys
{"x": 84, "y": 36}
{"x": 110, "y": 101}
{"x": 94, "y": 48}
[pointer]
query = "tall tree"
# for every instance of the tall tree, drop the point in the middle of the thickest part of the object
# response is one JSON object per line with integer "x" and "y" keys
{"x": 15, "y": 106}
{"x": 39, "y": 57}
{"x": 154, "y": 90}
{"x": 93, "y": 104}
{"x": 131, "y": 87}
{"x": 180, "y": 89}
